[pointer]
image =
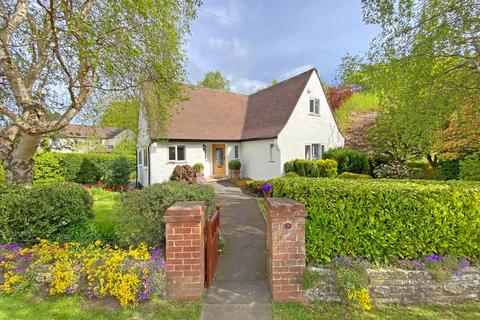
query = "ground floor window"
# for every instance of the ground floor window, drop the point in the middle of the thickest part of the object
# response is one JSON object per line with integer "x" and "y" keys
{"x": 237, "y": 152}
{"x": 272, "y": 147}
{"x": 314, "y": 151}
{"x": 176, "y": 153}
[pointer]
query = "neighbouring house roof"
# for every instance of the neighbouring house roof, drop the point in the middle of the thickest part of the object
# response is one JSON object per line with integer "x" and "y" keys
{"x": 85, "y": 131}
{"x": 210, "y": 114}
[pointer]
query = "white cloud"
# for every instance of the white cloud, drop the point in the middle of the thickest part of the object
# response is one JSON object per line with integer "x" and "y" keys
{"x": 233, "y": 48}
{"x": 246, "y": 86}
{"x": 297, "y": 70}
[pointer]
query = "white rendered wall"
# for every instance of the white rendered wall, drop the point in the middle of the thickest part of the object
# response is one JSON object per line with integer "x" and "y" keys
{"x": 256, "y": 163}
{"x": 303, "y": 128}
{"x": 162, "y": 168}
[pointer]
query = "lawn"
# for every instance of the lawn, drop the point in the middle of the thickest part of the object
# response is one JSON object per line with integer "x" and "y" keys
{"x": 30, "y": 306}
{"x": 329, "y": 311}
{"x": 105, "y": 211}
{"x": 261, "y": 205}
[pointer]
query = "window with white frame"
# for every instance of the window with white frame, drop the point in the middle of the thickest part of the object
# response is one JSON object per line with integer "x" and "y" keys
{"x": 140, "y": 156}
{"x": 145, "y": 156}
{"x": 176, "y": 153}
{"x": 236, "y": 151}
{"x": 271, "y": 150}
{"x": 314, "y": 106}
{"x": 308, "y": 155}
{"x": 204, "y": 151}
{"x": 314, "y": 151}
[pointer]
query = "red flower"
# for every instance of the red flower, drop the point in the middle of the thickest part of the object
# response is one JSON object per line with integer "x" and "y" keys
{"x": 113, "y": 188}
{"x": 122, "y": 188}
{"x": 107, "y": 189}
{"x": 100, "y": 183}
{"x": 90, "y": 186}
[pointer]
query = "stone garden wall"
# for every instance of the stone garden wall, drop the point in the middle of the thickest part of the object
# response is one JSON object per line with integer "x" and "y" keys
{"x": 397, "y": 286}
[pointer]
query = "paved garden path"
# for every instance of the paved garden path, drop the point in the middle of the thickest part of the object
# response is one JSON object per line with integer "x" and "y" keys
{"x": 240, "y": 289}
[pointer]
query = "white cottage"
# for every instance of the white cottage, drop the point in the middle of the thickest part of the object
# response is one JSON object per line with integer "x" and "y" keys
{"x": 289, "y": 120}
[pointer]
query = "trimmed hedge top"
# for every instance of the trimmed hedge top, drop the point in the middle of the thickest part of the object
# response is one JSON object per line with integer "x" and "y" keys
{"x": 384, "y": 219}
{"x": 310, "y": 168}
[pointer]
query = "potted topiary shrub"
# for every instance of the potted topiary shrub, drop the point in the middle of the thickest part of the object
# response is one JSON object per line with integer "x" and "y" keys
{"x": 199, "y": 176}
{"x": 234, "y": 166}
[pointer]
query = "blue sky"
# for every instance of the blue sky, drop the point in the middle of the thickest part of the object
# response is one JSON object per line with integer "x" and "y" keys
{"x": 251, "y": 59}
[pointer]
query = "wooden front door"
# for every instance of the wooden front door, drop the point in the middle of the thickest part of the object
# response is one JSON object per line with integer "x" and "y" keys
{"x": 219, "y": 166}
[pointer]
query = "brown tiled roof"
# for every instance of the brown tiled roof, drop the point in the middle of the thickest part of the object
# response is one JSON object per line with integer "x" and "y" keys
{"x": 85, "y": 131}
{"x": 210, "y": 114}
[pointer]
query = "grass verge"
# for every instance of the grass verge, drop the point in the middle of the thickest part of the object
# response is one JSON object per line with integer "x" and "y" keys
{"x": 27, "y": 306}
{"x": 262, "y": 206}
{"x": 105, "y": 210}
{"x": 329, "y": 311}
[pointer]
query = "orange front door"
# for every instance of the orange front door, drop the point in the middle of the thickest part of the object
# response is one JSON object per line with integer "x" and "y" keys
{"x": 219, "y": 166}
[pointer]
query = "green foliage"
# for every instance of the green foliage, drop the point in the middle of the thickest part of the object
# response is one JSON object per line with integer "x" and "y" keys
{"x": 2, "y": 173}
{"x": 291, "y": 174}
{"x": 470, "y": 167}
{"x": 47, "y": 168}
{"x": 77, "y": 167}
{"x": 140, "y": 215}
{"x": 234, "y": 164}
{"x": 121, "y": 114}
{"x": 198, "y": 167}
{"x": 309, "y": 278}
{"x": 348, "y": 160}
{"x": 417, "y": 62}
{"x": 313, "y": 169}
{"x": 359, "y": 102}
{"x": 118, "y": 173}
{"x": 442, "y": 268}
{"x": 255, "y": 186}
{"x": 449, "y": 169}
{"x": 350, "y": 275}
{"x": 215, "y": 80}
{"x": 53, "y": 212}
{"x": 350, "y": 175}
{"x": 126, "y": 147}
{"x": 381, "y": 220}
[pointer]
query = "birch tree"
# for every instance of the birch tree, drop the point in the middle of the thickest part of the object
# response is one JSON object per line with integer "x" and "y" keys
{"x": 57, "y": 55}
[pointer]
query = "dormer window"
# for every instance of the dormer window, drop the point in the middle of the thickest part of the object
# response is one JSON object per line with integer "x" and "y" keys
{"x": 315, "y": 106}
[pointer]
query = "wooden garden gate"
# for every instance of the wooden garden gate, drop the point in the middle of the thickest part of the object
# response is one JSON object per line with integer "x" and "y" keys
{"x": 212, "y": 247}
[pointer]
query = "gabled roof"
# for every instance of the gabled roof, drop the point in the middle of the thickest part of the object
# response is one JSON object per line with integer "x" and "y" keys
{"x": 211, "y": 115}
{"x": 85, "y": 131}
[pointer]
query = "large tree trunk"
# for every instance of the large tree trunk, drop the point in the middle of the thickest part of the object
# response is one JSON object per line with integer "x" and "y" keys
{"x": 18, "y": 149}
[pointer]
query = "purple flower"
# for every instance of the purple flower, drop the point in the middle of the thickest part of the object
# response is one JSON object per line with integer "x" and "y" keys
{"x": 464, "y": 263}
{"x": 433, "y": 258}
{"x": 267, "y": 187}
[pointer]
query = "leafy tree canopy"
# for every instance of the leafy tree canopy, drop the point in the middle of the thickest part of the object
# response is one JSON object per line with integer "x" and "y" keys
{"x": 121, "y": 114}
{"x": 215, "y": 80}
{"x": 57, "y": 56}
{"x": 424, "y": 65}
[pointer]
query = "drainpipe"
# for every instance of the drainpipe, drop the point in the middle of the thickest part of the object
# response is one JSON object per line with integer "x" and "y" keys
{"x": 149, "y": 162}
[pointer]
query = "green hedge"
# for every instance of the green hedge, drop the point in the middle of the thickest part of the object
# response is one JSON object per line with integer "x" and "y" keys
{"x": 350, "y": 175}
{"x": 140, "y": 215}
{"x": 385, "y": 219}
{"x": 77, "y": 167}
{"x": 349, "y": 160}
{"x": 312, "y": 169}
{"x": 49, "y": 211}
{"x": 470, "y": 167}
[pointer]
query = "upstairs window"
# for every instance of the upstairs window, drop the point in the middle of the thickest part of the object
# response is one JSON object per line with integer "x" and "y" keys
{"x": 315, "y": 106}
{"x": 176, "y": 153}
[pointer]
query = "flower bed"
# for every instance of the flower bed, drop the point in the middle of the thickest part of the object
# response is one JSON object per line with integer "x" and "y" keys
{"x": 432, "y": 280}
{"x": 95, "y": 270}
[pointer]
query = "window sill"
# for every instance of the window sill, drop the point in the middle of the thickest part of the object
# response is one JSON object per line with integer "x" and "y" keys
{"x": 314, "y": 115}
{"x": 176, "y": 162}
{"x": 271, "y": 161}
